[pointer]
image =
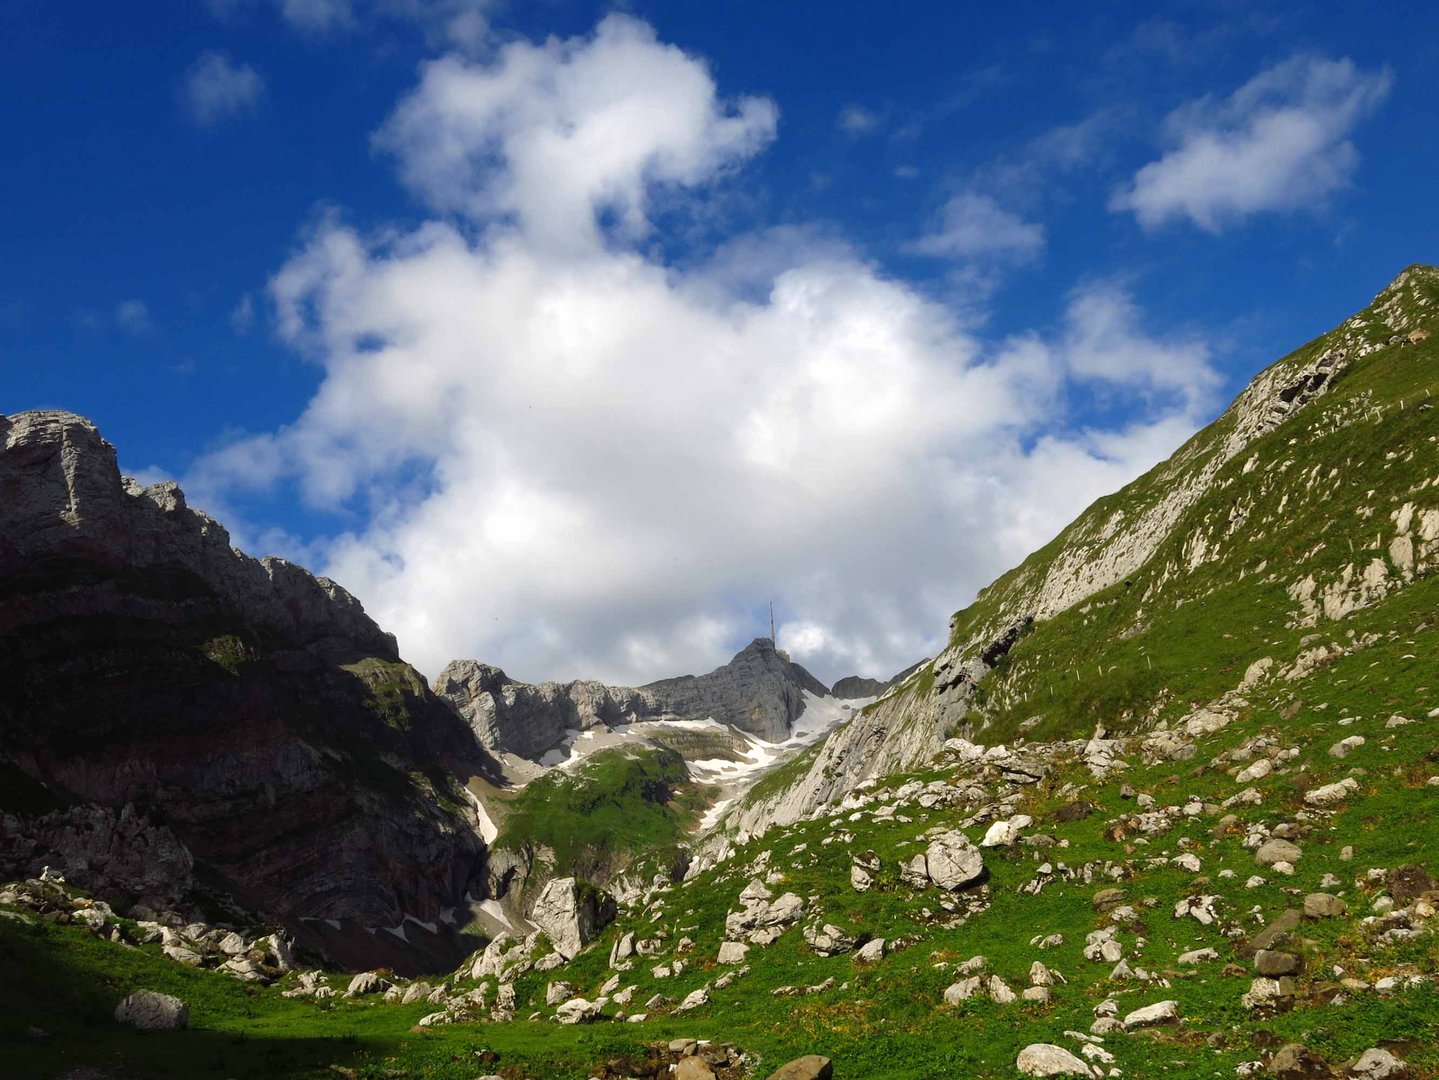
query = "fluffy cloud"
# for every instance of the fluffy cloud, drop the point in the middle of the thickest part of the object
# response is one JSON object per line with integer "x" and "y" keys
{"x": 1278, "y": 143}
{"x": 558, "y": 136}
{"x": 563, "y": 455}
{"x": 216, "y": 88}
{"x": 975, "y": 227}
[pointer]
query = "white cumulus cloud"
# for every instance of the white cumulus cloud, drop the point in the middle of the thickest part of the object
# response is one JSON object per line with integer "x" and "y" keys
{"x": 559, "y": 453}
{"x": 217, "y": 88}
{"x": 1278, "y": 143}
{"x": 556, "y": 135}
{"x": 974, "y": 226}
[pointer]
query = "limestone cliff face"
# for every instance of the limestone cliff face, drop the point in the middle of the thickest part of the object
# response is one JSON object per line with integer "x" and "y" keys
{"x": 529, "y": 720}
{"x": 1118, "y": 538}
{"x": 248, "y": 709}
{"x": 759, "y": 691}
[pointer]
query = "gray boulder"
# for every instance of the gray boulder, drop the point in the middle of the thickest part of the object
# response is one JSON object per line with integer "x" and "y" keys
{"x": 1046, "y": 1059}
{"x": 809, "y": 1067}
{"x": 1275, "y": 850}
{"x": 953, "y": 862}
{"x": 571, "y": 914}
{"x": 153, "y": 1011}
{"x": 1377, "y": 1064}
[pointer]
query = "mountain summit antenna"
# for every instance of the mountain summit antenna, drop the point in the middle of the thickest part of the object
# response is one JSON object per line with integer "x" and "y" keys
{"x": 773, "y": 639}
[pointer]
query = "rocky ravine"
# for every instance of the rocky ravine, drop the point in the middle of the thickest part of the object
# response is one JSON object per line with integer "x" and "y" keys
{"x": 760, "y": 691}
{"x": 236, "y": 712}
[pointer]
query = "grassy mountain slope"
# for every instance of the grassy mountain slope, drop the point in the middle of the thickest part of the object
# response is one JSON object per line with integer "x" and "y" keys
{"x": 888, "y": 1019}
{"x": 1157, "y": 595}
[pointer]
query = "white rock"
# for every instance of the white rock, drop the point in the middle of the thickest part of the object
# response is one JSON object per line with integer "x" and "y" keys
{"x": 952, "y": 861}
{"x": 577, "y": 1011}
{"x": 1005, "y": 833}
{"x": 1344, "y": 747}
{"x": 871, "y": 952}
{"x": 153, "y": 1011}
{"x": 1046, "y": 1059}
{"x": 1332, "y": 794}
{"x": 1258, "y": 771}
{"x": 1376, "y": 1064}
{"x": 693, "y": 1000}
{"x": 1161, "y": 1012}
{"x": 732, "y": 952}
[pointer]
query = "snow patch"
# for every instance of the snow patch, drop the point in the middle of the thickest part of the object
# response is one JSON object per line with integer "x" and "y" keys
{"x": 488, "y": 829}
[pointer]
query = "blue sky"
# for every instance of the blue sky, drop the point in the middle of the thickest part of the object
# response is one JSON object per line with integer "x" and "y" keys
{"x": 568, "y": 335}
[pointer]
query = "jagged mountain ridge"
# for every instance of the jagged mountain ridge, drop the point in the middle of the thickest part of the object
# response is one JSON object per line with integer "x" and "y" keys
{"x": 237, "y": 707}
{"x": 759, "y": 691}
{"x": 1345, "y": 387}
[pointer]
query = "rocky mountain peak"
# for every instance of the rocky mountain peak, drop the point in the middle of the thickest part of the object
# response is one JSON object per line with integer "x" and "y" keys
{"x": 760, "y": 691}
{"x": 64, "y": 502}
{"x": 261, "y": 718}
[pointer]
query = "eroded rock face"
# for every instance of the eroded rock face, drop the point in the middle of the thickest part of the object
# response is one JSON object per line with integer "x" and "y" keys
{"x": 109, "y": 851}
{"x": 759, "y": 691}
{"x": 529, "y": 720}
{"x": 256, "y": 709}
{"x": 571, "y": 914}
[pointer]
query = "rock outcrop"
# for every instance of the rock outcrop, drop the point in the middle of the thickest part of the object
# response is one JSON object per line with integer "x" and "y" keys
{"x": 153, "y": 1011}
{"x": 571, "y": 914}
{"x": 857, "y": 686}
{"x": 113, "y": 852}
{"x": 255, "y": 710}
{"x": 759, "y": 691}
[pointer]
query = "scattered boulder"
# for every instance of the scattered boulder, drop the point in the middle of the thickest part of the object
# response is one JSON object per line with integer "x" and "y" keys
{"x": 759, "y": 914}
{"x": 1324, "y": 906}
{"x": 572, "y": 914}
{"x": 952, "y": 862}
{"x": 1297, "y": 1062}
{"x": 1331, "y": 794}
{"x": 153, "y": 1011}
{"x": 1160, "y": 1013}
{"x": 1277, "y": 850}
{"x": 578, "y": 1011}
{"x": 809, "y": 1067}
{"x": 871, "y": 952}
{"x": 1278, "y": 931}
{"x": 1005, "y": 833}
{"x": 829, "y": 940}
{"x": 693, "y": 1000}
{"x": 1344, "y": 747}
{"x": 1046, "y": 1059}
{"x": 1376, "y": 1064}
{"x": 693, "y": 1067}
{"x": 367, "y": 982}
{"x": 1108, "y": 899}
{"x": 863, "y": 871}
{"x": 1272, "y": 963}
{"x": 732, "y": 952}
